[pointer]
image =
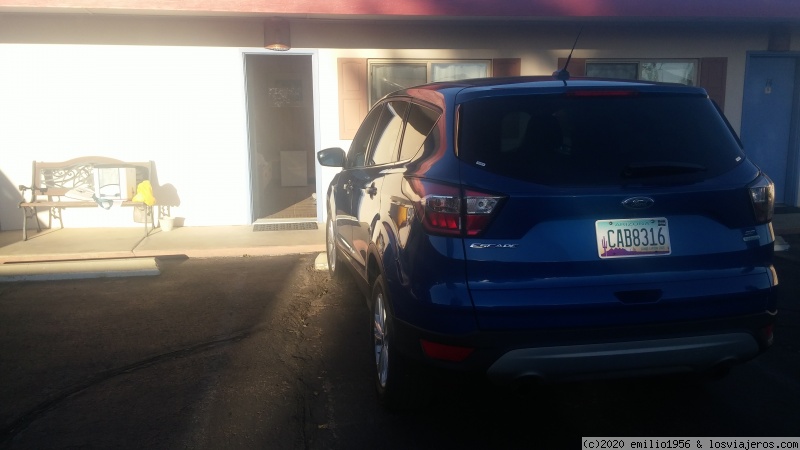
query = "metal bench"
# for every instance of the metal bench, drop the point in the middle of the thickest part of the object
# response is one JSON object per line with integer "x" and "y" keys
{"x": 54, "y": 184}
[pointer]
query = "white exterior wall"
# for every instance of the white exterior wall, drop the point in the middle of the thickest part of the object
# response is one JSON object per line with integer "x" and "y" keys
{"x": 182, "y": 107}
{"x": 76, "y": 87}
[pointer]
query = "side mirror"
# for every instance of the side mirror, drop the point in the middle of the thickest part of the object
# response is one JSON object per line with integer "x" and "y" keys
{"x": 331, "y": 157}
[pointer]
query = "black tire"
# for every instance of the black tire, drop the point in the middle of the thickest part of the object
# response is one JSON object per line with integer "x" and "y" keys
{"x": 335, "y": 268}
{"x": 398, "y": 381}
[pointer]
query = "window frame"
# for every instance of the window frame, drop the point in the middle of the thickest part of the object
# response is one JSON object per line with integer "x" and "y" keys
{"x": 352, "y": 160}
{"x": 429, "y": 64}
{"x": 640, "y": 61}
{"x": 381, "y": 127}
{"x": 414, "y": 104}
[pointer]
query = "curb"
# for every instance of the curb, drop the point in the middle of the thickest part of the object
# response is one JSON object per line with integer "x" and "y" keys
{"x": 321, "y": 262}
{"x": 74, "y": 270}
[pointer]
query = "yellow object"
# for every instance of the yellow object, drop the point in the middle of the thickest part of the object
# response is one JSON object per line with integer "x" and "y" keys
{"x": 144, "y": 193}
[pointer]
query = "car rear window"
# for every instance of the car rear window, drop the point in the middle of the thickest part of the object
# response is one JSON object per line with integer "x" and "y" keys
{"x": 597, "y": 140}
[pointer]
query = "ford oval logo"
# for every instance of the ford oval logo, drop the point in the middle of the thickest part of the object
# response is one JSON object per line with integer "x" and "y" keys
{"x": 638, "y": 202}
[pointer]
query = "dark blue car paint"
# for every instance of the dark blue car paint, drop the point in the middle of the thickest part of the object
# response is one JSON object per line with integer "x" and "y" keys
{"x": 539, "y": 287}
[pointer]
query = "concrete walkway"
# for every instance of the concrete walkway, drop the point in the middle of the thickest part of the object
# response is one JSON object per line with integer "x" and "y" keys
{"x": 105, "y": 252}
{"x": 193, "y": 242}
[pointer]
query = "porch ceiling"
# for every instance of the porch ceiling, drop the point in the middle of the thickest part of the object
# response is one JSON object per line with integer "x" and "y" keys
{"x": 778, "y": 10}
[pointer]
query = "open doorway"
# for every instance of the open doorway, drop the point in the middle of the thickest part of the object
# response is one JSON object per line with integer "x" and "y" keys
{"x": 280, "y": 112}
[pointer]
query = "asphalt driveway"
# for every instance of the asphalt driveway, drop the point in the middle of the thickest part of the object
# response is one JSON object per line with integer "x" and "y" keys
{"x": 266, "y": 352}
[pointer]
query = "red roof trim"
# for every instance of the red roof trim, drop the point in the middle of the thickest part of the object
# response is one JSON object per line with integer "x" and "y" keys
{"x": 776, "y": 9}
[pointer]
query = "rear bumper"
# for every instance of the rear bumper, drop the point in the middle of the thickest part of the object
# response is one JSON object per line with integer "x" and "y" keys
{"x": 624, "y": 359}
{"x": 597, "y": 353}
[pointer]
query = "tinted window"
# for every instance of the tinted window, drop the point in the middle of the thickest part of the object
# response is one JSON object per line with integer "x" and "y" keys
{"x": 387, "y": 133}
{"x": 601, "y": 140}
{"x": 419, "y": 124}
{"x": 358, "y": 148}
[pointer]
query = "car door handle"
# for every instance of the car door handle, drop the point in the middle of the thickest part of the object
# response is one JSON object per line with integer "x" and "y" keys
{"x": 372, "y": 191}
{"x": 348, "y": 187}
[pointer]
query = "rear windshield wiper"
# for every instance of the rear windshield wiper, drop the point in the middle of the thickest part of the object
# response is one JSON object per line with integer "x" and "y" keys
{"x": 659, "y": 169}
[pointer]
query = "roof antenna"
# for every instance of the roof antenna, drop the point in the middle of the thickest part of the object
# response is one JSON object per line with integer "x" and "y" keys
{"x": 562, "y": 74}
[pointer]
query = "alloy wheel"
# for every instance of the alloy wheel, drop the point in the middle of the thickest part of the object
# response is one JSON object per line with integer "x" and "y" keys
{"x": 330, "y": 246}
{"x": 381, "y": 344}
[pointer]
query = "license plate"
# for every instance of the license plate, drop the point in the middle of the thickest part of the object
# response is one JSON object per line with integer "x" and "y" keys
{"x": 626, "y": 238}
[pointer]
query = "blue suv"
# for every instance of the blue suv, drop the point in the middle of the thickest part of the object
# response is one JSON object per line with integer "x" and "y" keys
{"x": 536, "y": 229}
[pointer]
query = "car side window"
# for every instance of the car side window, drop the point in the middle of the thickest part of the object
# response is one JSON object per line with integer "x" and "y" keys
{"x": 357, "y": 154}
{"x": 387, "y": 133}
{"x": 419, "y": 124}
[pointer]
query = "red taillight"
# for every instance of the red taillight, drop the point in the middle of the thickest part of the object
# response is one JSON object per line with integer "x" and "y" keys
{"x": 480, "y": 208}
{"x": 762, "y": 197}
{"x": 444, "y": 352}
{"x": 601, "y": 93}
{"x": 767, "y": 334}
{"x": 449, "y": 210}
{"x": 441, "y": 210}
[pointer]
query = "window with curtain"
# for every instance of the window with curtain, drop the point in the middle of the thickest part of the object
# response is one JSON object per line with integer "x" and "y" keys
{"x": 449, "y": 71}
{"x": 387, "y": 76}
{"x": 667, "y": 71}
